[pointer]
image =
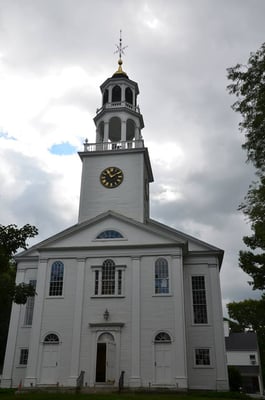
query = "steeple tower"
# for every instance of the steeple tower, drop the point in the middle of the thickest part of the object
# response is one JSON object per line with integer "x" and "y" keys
{"x": 116, "y": 168}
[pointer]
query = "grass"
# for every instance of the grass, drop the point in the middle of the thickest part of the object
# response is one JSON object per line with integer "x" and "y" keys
{"x": 11, "y": 395}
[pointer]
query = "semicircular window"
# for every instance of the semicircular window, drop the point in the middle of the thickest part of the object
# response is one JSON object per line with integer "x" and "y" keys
{"x": 51, "y": 338}
{"x": 109, "y": 234}
{"x": 162, "y": 337}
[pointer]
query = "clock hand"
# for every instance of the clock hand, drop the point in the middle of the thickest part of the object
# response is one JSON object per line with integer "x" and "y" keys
{"x": 112, "y": 175}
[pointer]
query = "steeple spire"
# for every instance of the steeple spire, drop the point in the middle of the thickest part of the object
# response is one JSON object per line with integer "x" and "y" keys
{"x": 120, "y": 50}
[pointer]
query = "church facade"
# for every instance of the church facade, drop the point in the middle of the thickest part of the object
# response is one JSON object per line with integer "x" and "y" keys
{"x": 118, "y": 294}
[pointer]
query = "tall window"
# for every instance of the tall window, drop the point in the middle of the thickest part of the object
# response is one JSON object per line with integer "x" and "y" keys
{"x": 30, "y": 306}
{"x": 199, "y": 300}
{"x": 109, "y": 279}
{"x": 202, "y": 357}
{"x": 24, "y": 354}
{"x": 56, "y": 281}
{"x": 161, "y": 276}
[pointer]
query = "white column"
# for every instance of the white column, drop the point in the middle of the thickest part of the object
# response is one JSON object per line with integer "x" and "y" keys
{"x": 77, "y": 323}
{"x": 6, "y": 380}
{"x": 123, "y": 94}
{"x": 110, "y": 93}
{"x": 34, "y": 347}
{"x": 106, "y": 131}
{"x": 135, "y": 378}
{"x": 123, "y": 131}
{"x": 218, "y": 329}
{"x": 180, "y": 336}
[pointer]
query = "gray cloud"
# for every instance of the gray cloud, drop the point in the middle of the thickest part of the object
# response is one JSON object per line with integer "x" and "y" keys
{"x": 178, "y": 53}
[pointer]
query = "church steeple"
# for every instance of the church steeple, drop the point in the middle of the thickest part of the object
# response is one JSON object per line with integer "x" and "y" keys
{"x": 118, "y": 159}
{"x": 119, "y": 121}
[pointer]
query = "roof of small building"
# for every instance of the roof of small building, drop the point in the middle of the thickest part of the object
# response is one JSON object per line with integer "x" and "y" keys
{"x": 241, "y": 341}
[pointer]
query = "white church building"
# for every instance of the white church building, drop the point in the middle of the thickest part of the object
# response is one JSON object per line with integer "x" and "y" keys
{"x": 118, "y": 291}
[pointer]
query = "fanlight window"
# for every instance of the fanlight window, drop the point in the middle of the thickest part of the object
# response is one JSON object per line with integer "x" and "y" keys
{"x": 162, "y": 337}
{"x": 51, "y": 338}
{"x": 110, "y": 234}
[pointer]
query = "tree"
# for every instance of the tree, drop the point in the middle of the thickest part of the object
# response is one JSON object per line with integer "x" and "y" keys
{"x": 248, "y": 84}
{"x": 12, "y": 239}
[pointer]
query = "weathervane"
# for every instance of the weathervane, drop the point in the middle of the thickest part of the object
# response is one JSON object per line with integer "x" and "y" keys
{"x": 120, "y": 49}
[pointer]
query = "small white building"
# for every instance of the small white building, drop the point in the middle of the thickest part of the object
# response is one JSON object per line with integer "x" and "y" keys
{"x": 243, "y": 353}
{"x": 118, "y": 291}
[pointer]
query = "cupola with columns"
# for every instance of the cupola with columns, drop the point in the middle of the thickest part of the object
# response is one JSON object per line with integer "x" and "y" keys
{"x": 116, "y": 168}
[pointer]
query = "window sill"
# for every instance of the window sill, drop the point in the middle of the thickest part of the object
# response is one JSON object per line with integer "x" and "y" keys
{"x": 203, "y": 366}
{"x": 54, "y": 297}
{"x": 162, "y": 295}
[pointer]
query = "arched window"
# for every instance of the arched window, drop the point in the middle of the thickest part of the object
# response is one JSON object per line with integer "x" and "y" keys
{"x": 109, "y": 279}
{"x": 115, "y": 129}
{"x": 51, "y": 338}
{"x": 116, "y": 94}
{"x": 129, "y": 95}
{"x": 130, "y": 129}
{"x": 162, "y": 337}
{"x": 105, "y": 96}
{"x": 110, "y": 234}
{"x": 56, "y": 281}
{"x": 161, "y": 276}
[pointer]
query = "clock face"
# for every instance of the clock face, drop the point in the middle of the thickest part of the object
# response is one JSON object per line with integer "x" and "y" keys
{"x": 111, "y": 177}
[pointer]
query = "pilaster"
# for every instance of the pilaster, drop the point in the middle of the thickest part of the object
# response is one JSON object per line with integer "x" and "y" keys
{"x": 180, "y": 339}
{"x": 77, "y": 323}
{"x": 135, "y": 378}
{"x": 31, "y": 378}
{"x": 218, "y": 329}
{"x": 6, "y": 380}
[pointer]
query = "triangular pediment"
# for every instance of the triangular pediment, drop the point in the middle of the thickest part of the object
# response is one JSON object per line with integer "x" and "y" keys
{"x": 88, "y": 234}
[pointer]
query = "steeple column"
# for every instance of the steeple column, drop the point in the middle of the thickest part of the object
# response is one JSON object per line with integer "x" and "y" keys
{"x": 110, "y": 94}
{"x": 137, "y": 133}
{"x": 106, "y": 131}
{"x": 122, "y": 93}
{"x": 123, "y": 130}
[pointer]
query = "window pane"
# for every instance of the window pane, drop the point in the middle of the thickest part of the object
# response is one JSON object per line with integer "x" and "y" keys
{"x": 108, "y": 277}
{"x": 109, "y": 234}
{"x": 23, "y": 360}
{"x": 202, "y": 356}
{"x": 56, "y": 282}
{"x": 199, "y": 300}
{"x": 161, "y": 276}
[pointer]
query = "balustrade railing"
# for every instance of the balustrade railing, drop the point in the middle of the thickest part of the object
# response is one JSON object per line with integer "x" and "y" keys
{"x": 118, "y": 104}
{"x": 108, "y": 146}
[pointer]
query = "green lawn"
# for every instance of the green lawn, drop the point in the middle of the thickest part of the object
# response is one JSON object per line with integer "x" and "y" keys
{"x": 9, "y": 395}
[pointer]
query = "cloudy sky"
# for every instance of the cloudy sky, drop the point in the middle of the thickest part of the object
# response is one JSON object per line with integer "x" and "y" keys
{"x": 54, "y": 54}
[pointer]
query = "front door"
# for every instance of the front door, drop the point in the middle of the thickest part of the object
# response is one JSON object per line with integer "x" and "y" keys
{"x": 163, "y": 363}
{"x": 49, "y": 370}
{"x": 106, "y": 359}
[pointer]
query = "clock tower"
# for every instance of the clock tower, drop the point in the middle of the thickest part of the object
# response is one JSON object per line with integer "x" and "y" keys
{"x": 116, "y": 168}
